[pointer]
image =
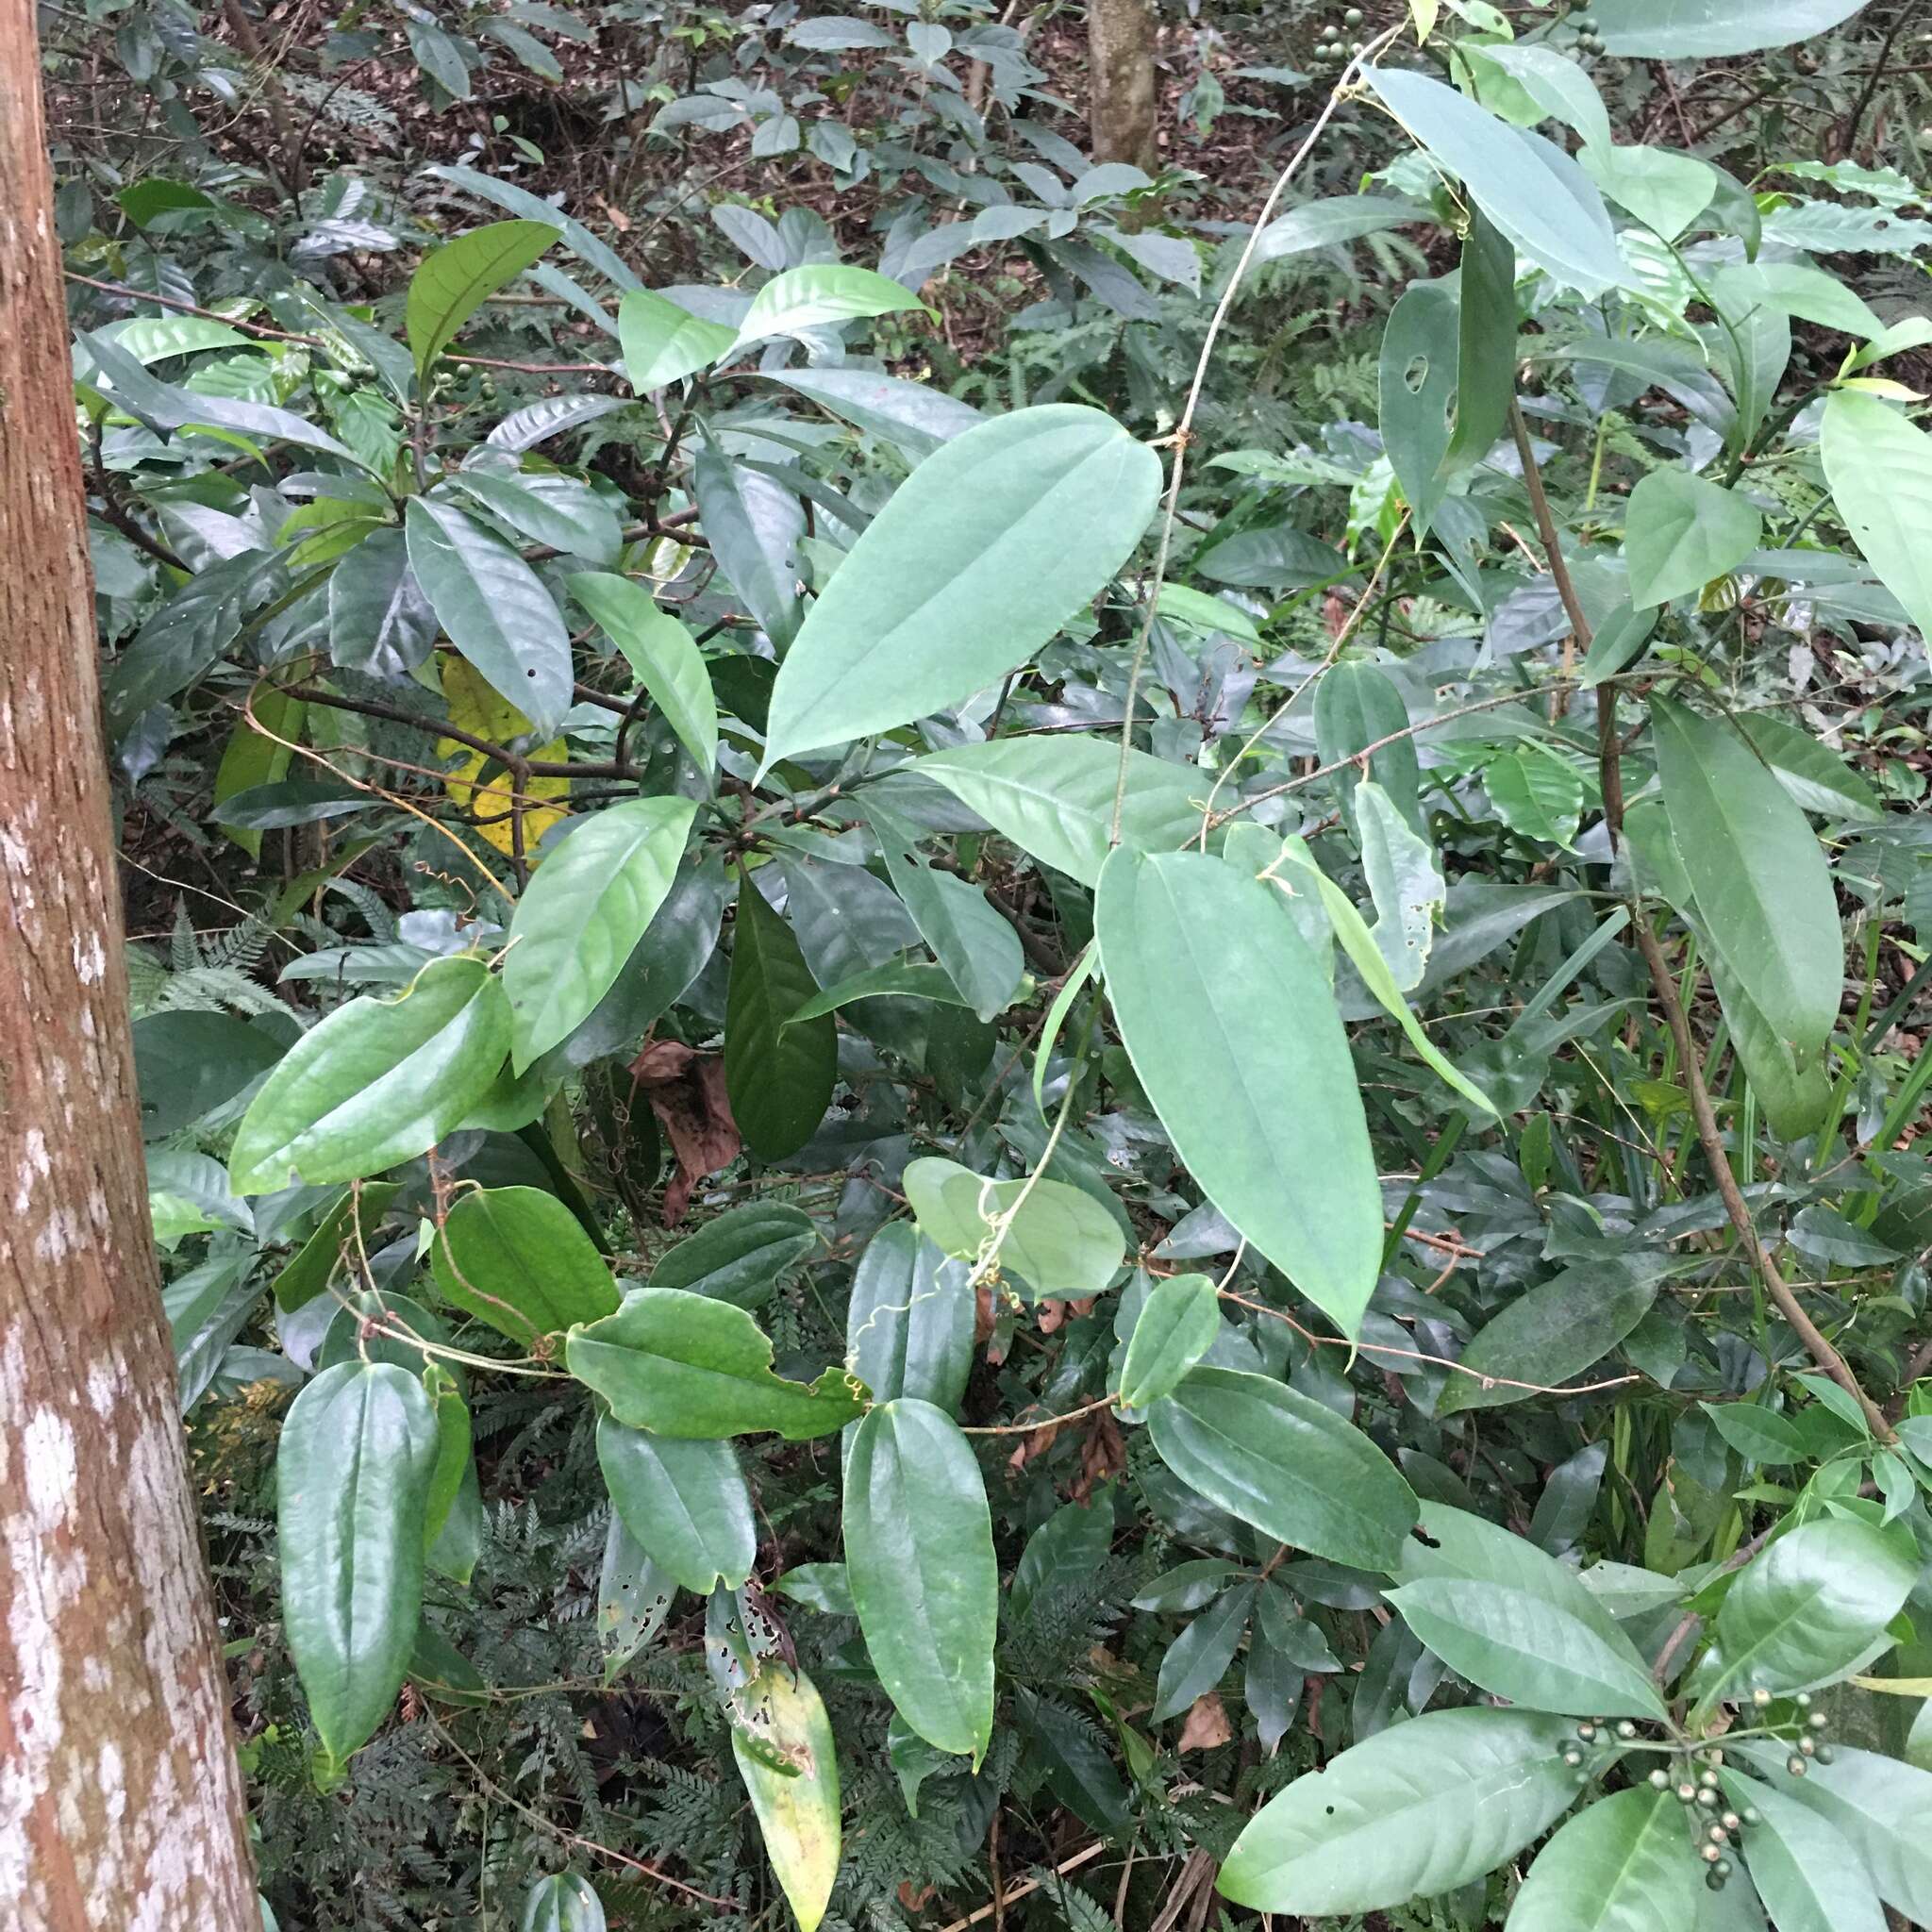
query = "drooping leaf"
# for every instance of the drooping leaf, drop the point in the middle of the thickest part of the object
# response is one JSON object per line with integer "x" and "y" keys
{"x": 662, "y": 343}
{"x": 1624, "y": 1864}
{"x": 753, "y": 523}
{"x": 520, "y": 1261}
{"x": 352, "y": 1481}
{"x": 1681, "y": 531}
{"x": 1405, "y": 880}
{"x": 909, "y": 1322}
{"x": 1417, "y": 379}
{"x": 1287, "y": 1464}
{"x": 1197, "y": 1659}
{"x": 778, "y": 1070}
{"x": 797, "y": 1806}
{"x": 315, "y": 1262}
{"x": 584, "y": 908}
{"x": 681, "y": 1364}
{"x": 1413, "y": 1812}
{"x": 978, "y": 557}
{"x": 919, "y": 1558}
{"x": 661, "y": 653}
{"x": 1357, "y": 706}
{"x": 1879, "y": 467}
{"x": 685, "y": 1502}
{"x": 1486, "y": 343}
{"x": 633, "y": 1596}
{"x": 1177, "y": 1326}
{"x": 377, "y": 1082}
{"x": 453, "y": 282}
{"x": 1232, "y": 1029}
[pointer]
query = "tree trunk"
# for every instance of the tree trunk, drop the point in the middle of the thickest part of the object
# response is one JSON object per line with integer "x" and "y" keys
{"x": 121, "y": 1804}
{"x": 1121, "y": 109}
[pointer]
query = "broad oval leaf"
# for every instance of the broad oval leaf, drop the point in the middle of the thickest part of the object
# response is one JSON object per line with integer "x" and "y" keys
{"x": 1710, "y": 30}
{"x": 1681, "y": 532}
{"x": 519, "y": 1259}
{"x": 562, "y": 1903}
{"x": 1053, "y": 797}
{"x": 1357, "y": 706}
{"x": 586, "y": 906}
{"x": 1879, "y": 467}
{"x": 918, "y": 1557}
{"x": 1623, "y": 1865}
{"x": 798, "y": 1808}
{"x": 352, "y": 1480}
{"x": 779, "y": 1069}
{"x": 1413, "y": 1812}
{"x": 662, "y": 342}
{"x": 494, "y": 609}
{"x": 377, "y": 1082}
{"x": 453, "y": 280}
{"x": 1755, "y": 873}
{"x": 1232, "y": 1028}
{"x": 977, "y": 560}
{"x": 908, "y": 1325}
{"x": 1177, "y": 1326}
{"x": 1061, "y": 1240}
{"x": 685, "y": 1502}
{"x": 740, "y": 1257}
{"x": 1291, "y": 1467}
{"x": 681, "y": 1364}
{"x": 660, "y": 654}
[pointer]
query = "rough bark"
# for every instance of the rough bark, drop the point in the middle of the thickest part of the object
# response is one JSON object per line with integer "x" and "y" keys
{"x": 1120, "y": 107}
{"x": 121, "y": 1804}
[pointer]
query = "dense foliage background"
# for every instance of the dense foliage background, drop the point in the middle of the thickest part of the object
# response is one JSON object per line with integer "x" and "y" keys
{"x": 1184, "y": 1103}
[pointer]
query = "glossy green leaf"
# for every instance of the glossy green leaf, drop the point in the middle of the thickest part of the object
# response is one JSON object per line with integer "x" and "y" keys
{"x": 779, "y": 1071}
{"x": 253, "y": 757}
{"x": 352, "y": 1480}
{"x": 1758, "y": 1434}
{"x": 1414, "y": 1811}
{"x": 1879, "y": 467}
{"x": 1809, "y": 1873}
{"x": 454, "y": 281}
{"x": 1289, "y": 1465}
{"x": 584, "y": 911}
{"x": 753, "y": 523}
{"x": 453, "y": 1449}
{"x": 916, "y": 417}
{"x": 1551, "y": 1332}
{"x": 818, "y": 295}
{"x": 1053, "y": 797}
{"x": 661, "y": 655}
{"x": 1624, "y": 1864}
{"x": 1486, "y": 343}
{"x": 559, "y": 510}
{"x": 1197, "y": 1659}
{"x": 1061, "y": 1240}
{"x": 1231, "y": 1026}
{"x": 1807, "y": 1606}
{"x": 1536, "y": 793}
{"x": 662, "y": 343}
{"x": 494, "y": 609}
{"x": 1417, "y": 379}
{"x": 1332, "y": 219}
{"x": 909, "y": 1322}
{"x": 919, "y": 1558}
{"x": 682, "y": 1365}
{"x": 1177, "y": 1326}
{"x": 1538, "y": 198}
{"x": 376, "y": 1083}
{"x": 917, "y": 979}
{"x": 1755, "y": 872}
{"x": 1817, "y": 779}
{"x": 740, "y": 1257}
{"x": 312, "y": 1265}
{"x": 518, "y": 1259}
{"x": 1680, "y": 532}
{"x": 977, "y": 560}
{"x": 562, "y": 1903}
{"x": 685, "y": 1502}
{"x": 798, "y": 1808}
{"x": 1709, "y": 29}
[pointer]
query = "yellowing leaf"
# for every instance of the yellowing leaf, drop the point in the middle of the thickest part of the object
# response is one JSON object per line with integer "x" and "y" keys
{"x": 475, "y": 706}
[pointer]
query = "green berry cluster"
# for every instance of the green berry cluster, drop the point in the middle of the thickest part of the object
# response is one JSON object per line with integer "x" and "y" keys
{"x": 1588, "y": 39}
{"x": 1329, "y": 51}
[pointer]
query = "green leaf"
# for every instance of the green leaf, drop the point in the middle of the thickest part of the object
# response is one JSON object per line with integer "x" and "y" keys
{"x": 1061, "y": 1240}
{"x": 977, "y": 560}
{"x": 1755, "y": 873}
{"x": 378, "y": 1082}
{"x": 1817, "y": 779}
{"x": 1405, "y": 881}
{"x": 1554, "y": 1331}
{"x": 1879, "y": 467}
{"x": 519, "y": 1259}
{"x": 915, "y": 416}
{"x": 798, "y": 1808}
{"x": 188, "y": 1063}
{"x": 1807, "y": 1873}
{"x": 685, "y": 1502}
{"x": 1666, "y": 191}
{"x": 315, "y": 1261}
{"x": 661, "y": 655}
{"x": 901, "y": 978}
{"x": 557, "y": 511}
{"x": 1619, "y": 640}
{"x": 753, "y": 523}
{"x": 740, "y": 1257}
{"x": 664, "y": 344}
{"x": 920, "y": 1558}
{"x": 1333, "y": 219}
{"x": 1623, "y": 1865}
{"x": 1287, "y": 1464}
{"x": 779, "y": 1071}
{"x": 1709, "y": 29}
{"x": 1197, "y": 612}
{"x": 1417, "y": 379}
{"x": 682, "y": 1365}
{"x": 584, "y": 908}
{"x": 1756, "y": 1433}
{"x": 494, "y": 609}
{"x": 1559, "y": 87}
{"x": 1195, "y": 1661}
{"x": 909, "y": 1322}
{"x": 1232, "y": 1029}
{"x": 823, "y": 292}
{"x": 1680, "y": 532}
{"x": 1177, "y": 1326}
{"x": 1414, "y": 1811}
{"x": 453, "y": 1450}
{"x": 1534, "y": 193}
{"x": 352, "y": 1479}
{"x": 454, "y": 280}
{"x": 562, "y": 1903}
{"x": 251, "y": 758}
{"x": 1806, "y": 1608}
{"x": 1053, "y": 797}
{"x": 1486, "y": 344}
{"x": 1356, "y": 705}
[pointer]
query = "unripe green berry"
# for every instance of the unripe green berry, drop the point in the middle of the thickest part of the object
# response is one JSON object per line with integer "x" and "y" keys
{"x": 1713, "y": 1879}
{"x": 1706, "y": 1777}
{"x": 1796, "y": 1765}
{"x": 1627, "y": 1729}
{"x": 1660, "y": 1779}
{"x": 1587, "y": 1732}
{"x": 1818, "y": 1720}
{"x": 1802, "y": 1700}
{"x": 1730, "y": 1820}
{"x": 1572, "y": 1757}
{"x": 1825, "y": 1754}
{"x": 1353, "y": 17}
{"x": 1711, "y": 1854}
{"x": 1706, "y": 1796}
{"x": 1687, "y": 1792}
{"x": 1753, "y": 1815}
{"x": 1722, "y": 1868}
{"x": 1807, "y": 1745}
{"x": 1718, "y": 1835}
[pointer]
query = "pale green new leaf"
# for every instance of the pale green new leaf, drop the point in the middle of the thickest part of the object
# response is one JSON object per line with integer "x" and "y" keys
{"x": 1060, "y": 1238}
{"x": 661, "y": 655}
{"x": 662, "y": 342}
{"x": 1177, "y": 1326}
{"x": 1879, "y": 467}
{"x": 822, "y": 292}
{"x": 1681, "y": 531}
{"x": 1623, "y": 1865}
{"x": 454, "y": 280}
